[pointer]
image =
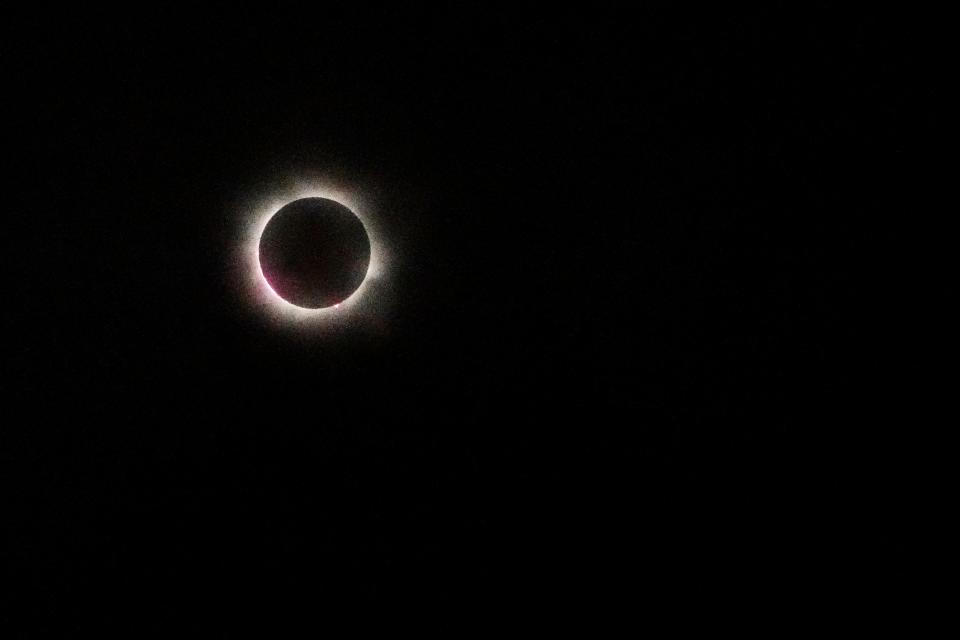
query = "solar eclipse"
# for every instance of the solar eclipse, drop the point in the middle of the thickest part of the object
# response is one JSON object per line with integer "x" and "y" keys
{"x": 314, "y": 253}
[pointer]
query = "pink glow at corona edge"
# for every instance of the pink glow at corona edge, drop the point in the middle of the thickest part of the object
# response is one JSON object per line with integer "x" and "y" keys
{"x": 257, "y": 212}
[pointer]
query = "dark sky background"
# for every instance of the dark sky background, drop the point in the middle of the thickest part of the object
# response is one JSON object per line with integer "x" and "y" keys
{"x": 616, "y": 367}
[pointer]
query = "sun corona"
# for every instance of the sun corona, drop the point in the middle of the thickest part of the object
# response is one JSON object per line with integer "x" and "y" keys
{"x": 363, "y": 303}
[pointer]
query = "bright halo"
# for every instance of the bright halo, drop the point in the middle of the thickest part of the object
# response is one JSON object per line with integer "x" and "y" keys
{"x": 362, "y": 303}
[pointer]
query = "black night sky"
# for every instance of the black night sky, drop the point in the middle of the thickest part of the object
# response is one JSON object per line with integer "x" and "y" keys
{"x": 612, "y": 374}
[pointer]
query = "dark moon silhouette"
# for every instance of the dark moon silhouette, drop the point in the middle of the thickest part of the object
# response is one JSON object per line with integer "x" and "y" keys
{"x": 314, "y": 252}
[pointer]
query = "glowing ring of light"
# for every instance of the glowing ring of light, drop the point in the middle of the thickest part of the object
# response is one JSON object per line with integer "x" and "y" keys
{"x": 359, "y": 304}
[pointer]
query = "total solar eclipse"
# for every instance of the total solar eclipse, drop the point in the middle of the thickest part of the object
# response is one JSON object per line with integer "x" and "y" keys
{"x": 314, "y": 253}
